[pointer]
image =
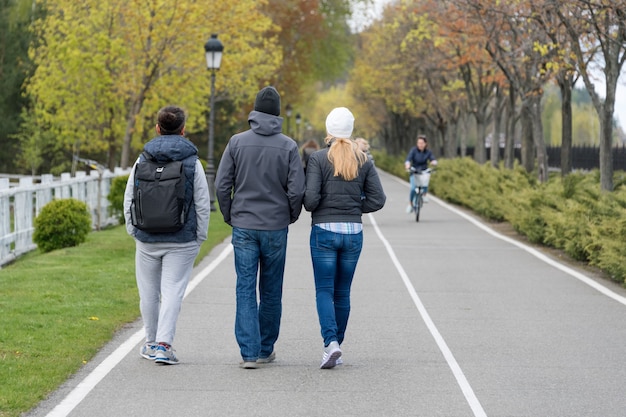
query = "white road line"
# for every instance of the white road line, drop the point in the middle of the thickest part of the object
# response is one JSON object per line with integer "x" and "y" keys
{"x": 582, "y": 277}
{"x": 468, "y": 392}
{"x": 65, "y": 407}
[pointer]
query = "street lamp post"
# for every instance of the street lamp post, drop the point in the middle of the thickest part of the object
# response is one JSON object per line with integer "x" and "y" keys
{"x": 288, "y": 112}
{"x": 213, "y": 51}
{"x": 298, "y": 120}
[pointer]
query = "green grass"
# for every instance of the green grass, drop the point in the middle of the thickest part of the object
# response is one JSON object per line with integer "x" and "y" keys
{"x": 58, "y": 309}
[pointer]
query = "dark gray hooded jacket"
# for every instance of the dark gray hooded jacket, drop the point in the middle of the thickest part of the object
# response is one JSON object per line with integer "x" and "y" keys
{"x": 260, "y": 180}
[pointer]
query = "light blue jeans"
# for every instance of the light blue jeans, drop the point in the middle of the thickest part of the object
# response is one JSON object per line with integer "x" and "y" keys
{"x": 162, "y": 271}
{"x": 425, "y": 179}
{"x": 257, "y": 324}
{"x": 334, "y": 256}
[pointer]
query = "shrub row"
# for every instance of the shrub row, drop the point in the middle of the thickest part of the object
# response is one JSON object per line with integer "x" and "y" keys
{"x": 570, "y": 213}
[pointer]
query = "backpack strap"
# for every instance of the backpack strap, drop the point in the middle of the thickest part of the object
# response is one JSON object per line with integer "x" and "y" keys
{"x": 147, "y": 155}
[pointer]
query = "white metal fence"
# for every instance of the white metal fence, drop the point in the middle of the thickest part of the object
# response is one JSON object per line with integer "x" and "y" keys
{"x": 20, "y": 204}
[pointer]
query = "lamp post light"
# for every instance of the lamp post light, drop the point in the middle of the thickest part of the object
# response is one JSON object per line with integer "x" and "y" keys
{"x": 288, "y": 110}
{"x": 298, "y": 120}
{"x": 213, "y": 51}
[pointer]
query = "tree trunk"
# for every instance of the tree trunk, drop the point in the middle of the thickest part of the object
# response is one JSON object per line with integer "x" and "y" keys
{"x": 606, "y": 154}
{"x": 528, "y": 160}
{"x": 480, "y": 154}
{"x": 538, "y": 139}
{"x": 450, "y": 145}
{"x": 606, "y": 128}
{"x": 497, "y": 127}
{"x": 509, "y": 145}
{"x": 128, "y": 134}
{"x": 464, "y": 135}
{"x": 566, "y": 83}
{"x": 439, "y": 141}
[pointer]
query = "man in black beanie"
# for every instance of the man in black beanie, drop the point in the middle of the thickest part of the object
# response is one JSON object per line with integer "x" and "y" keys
{"x": 268, "y": 101}
{"x": 260, "y": 187}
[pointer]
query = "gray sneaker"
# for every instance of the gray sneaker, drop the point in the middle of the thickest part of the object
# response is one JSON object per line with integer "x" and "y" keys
{"x": 148, "y": 350}
{"x": 165, "y": 355}
{"x": 270, "y": 358}
{"x": 249, "y": 365}
{"x": 332, "y": 352}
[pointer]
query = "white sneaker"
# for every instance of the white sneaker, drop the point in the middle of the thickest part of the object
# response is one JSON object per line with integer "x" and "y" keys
{"x": 332, "y": 352}
{"x": 148, "y": 350}
{"x": 425, "y": 198}
{"x": 165, "y": 355}
{"x": 409, "y": 209}
{"x": 270, "y": 358}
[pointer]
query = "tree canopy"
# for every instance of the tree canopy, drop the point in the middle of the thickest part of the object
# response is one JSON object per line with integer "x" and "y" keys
{"x": 435, "y": 61}
{"x": 104, "y": 68}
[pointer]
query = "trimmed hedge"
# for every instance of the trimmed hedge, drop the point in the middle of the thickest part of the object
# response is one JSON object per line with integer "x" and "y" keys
{"x": 571, "y": 213}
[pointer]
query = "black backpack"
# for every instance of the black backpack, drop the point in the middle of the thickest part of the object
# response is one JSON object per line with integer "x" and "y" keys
{"x": 158, "y": 204}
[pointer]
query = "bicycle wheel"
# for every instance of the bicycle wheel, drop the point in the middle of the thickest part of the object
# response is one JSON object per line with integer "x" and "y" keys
{"x": 418, "y": 205}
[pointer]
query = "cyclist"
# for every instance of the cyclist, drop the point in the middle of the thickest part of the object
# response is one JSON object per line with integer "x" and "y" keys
{"x": 418, "y": 158}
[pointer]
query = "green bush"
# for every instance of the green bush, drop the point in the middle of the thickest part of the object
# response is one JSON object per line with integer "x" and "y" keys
{"x": 62, "y": 223}
{"x": 116, "y": 197}
{"x": 391, "y": 164}
{"x": 570, "y": 213}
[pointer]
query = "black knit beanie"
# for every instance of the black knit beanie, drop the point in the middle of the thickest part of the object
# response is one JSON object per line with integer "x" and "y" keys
{"x": 268, "y": 101}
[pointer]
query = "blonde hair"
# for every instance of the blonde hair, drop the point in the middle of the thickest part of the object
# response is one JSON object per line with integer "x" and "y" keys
{"x": 363, "y": 144}
{"x": 345, "y": 157}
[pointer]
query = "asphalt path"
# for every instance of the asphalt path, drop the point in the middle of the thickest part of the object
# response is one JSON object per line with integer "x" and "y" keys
{"x": 449, "y": 318}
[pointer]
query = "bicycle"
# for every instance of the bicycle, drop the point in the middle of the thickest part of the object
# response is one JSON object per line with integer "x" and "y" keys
{"x": 421, "y": 179}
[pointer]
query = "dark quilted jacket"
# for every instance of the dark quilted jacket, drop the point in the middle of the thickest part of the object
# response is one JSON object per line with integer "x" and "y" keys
{"x": 333, "y": 199}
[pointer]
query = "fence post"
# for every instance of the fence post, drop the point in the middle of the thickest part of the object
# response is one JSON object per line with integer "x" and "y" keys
{"x": 5, "y": 219}
{"x": 44, "y": 194}
{"x": 23, "y": 211}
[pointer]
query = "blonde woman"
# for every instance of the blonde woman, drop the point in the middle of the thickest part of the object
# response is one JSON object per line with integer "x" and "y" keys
{"x": 364, "y": 146}
{"x": 341, "y": 185}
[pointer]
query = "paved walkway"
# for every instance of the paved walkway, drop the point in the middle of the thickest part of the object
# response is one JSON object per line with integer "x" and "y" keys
{"x": 448, "y": 319}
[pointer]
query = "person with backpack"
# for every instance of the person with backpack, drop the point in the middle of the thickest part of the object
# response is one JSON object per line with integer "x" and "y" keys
{"x": 167, "y": 209}
{"x": 259, "y": 187}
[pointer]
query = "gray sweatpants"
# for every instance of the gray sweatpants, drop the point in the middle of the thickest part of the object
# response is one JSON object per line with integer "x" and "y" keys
{"x": 162, "y": 271}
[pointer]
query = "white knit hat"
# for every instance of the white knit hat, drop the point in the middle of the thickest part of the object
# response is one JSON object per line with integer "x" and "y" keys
{"x": 340, "y": 122}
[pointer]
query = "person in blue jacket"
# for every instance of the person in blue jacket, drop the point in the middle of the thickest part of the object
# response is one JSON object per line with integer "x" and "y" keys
{"x": 419, "y": 156}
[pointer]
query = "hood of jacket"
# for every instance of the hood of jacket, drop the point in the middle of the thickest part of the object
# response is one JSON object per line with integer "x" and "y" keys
{"x": 170, "y": 148}
{"x": 265, "y": 124}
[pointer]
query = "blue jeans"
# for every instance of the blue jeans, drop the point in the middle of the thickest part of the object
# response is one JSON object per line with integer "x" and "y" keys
{"x": 334, "y": 256}
{"x": 257, "y": 325}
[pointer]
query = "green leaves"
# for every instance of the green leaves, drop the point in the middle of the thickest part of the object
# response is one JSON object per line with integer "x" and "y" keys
{"x": 105, "y": 68}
